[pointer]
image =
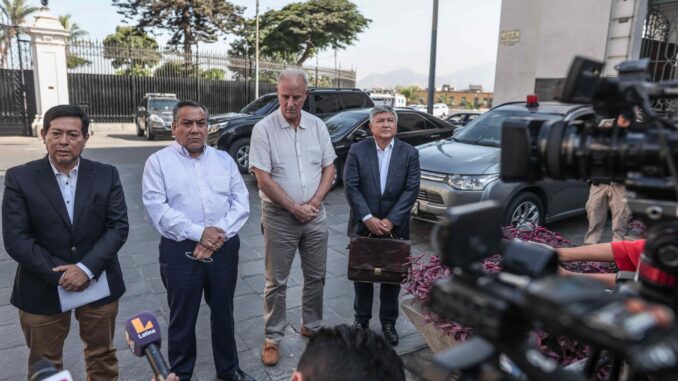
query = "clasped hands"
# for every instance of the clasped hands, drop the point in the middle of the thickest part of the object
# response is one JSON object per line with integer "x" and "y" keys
{"x": 379, "y": 227}
{"x": 212, "y": 239}
{"x": 306, "y": 211}
{"x": 73, "y": 278}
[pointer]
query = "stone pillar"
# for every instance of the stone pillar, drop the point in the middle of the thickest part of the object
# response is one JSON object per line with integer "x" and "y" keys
{"x": 49, "y": 63}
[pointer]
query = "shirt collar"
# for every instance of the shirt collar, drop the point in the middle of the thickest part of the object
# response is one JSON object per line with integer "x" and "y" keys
{"x": 389, "y": 145}
{"x": 184, "y": 152}
{"x": 73, "y": 171}
{"x": 284, "y": 124}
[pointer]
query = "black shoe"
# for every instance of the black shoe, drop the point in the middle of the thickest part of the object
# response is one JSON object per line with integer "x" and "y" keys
{"x": 359, "y": 325}
{"x": 390, "y": 333}
{"x": 239, "y": 375}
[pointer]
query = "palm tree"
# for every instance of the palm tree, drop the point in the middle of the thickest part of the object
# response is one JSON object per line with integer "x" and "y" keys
{"x": 74, "y": 34}
{"x": 15, "y": 11}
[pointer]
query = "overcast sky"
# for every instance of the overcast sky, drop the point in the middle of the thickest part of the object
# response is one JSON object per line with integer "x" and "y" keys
{"x": 398, "y": 37}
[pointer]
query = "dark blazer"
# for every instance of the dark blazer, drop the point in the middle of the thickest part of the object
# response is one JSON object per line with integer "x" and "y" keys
{"x": 363, "y": 189}
{"x": 39, "y": 235}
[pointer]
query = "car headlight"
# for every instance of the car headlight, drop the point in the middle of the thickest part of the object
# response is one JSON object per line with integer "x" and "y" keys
{"x": 155, "y": 119}
{"x": 216, "y": 127}
{"x": 470, "y": 182}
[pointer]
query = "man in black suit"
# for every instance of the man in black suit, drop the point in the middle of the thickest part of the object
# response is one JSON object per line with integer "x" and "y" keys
{"x": 381, "y": 181}
{"x": 64, "y": 219}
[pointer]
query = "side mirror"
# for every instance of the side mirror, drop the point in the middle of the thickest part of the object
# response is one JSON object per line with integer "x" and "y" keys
{"x": 141, "y": 109}
{"x": 359, "y": 134}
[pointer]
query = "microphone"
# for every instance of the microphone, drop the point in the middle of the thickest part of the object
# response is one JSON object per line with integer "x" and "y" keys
{"x": 43, "y": 370}
{"x": 143, "y": 338}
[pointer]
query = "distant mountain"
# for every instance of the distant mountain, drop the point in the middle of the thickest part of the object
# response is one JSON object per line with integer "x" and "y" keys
{"x": 482, "y": 74}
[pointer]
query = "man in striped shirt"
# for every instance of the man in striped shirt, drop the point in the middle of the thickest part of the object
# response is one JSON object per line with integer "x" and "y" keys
{"x": 197, "y": 200}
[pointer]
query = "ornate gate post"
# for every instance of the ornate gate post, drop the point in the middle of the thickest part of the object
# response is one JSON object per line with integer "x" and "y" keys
{"x": 49, "y": 63}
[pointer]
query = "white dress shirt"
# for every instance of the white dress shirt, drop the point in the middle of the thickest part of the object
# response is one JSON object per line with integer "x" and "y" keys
{"x": 183, "y": 195}
{"x": 67, "y": 185}
{"x": 384, "y": 158}
{"x": 295, "y": 158}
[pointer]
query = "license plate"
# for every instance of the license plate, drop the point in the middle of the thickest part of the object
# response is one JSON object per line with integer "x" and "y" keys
{"x": 415, "y": 208}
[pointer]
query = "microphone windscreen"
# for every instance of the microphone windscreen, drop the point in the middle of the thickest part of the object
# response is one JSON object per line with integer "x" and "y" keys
{"x": 142, "y": 330}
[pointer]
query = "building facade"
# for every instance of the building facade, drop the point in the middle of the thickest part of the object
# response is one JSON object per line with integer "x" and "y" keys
{"x": 539, "y": 39}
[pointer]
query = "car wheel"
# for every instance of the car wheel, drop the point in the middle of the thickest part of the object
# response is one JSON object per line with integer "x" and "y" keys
{"x": 149, "y": 134}
{"x": 338, "y": 179}
{"x": 240, "y": 152}
{"x": 140, "y": 132}
{"x": 525, "y": 209}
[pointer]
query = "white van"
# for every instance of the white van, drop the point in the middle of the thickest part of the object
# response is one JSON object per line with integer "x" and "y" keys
{"x": 397, "y": 100}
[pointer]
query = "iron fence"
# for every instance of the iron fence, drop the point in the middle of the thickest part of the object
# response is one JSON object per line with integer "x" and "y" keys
{"x": 112, "y": 79}
{"x": 17, "y": 93}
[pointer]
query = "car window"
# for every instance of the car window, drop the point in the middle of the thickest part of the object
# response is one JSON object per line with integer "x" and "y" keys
{"x": 162, "y": 104}
{"x": 261, "y": 106}
{"x": 343, "y": 122}
{"x": 326, "y": 103}
{"x": 457, "y": 118}
{"x": 352, "y": 100}
{"x": 486, "y": 129}
{"x": 408, "y": 122}
{"x": 471, "y": 117}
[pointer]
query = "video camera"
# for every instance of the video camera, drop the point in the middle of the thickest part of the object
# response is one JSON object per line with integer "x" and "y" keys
{"x": 642, "y": 157}
{"x": 637, "y": 328}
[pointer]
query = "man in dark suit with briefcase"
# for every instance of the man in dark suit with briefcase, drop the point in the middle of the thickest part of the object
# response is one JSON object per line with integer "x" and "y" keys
{"x": 381, "y": 181}
{"x": 64, "y": 218}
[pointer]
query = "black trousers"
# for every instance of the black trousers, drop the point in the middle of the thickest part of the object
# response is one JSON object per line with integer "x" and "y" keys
{"x": 388, "y": 302}
{"x": 185, "y": 280}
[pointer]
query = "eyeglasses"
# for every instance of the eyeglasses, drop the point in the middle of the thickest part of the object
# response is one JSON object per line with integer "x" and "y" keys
{"x": 189, "y": 254}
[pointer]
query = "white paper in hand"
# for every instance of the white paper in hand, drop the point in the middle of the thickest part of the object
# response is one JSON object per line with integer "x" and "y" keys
{"x": 97, "y": 289}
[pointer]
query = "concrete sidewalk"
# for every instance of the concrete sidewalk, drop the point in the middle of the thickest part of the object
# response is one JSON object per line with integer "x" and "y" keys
{"x": 145, "y": 292}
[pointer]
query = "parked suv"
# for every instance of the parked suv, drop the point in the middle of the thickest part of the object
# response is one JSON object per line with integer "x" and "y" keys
{"x": 231, "y": 132}
{"x": 154, "y": 115}
{"x": 466, "y": 167}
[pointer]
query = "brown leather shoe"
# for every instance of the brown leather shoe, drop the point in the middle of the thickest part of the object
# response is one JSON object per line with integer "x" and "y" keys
{"x": 306, "y": 332}
{"x": 270, "y": 354}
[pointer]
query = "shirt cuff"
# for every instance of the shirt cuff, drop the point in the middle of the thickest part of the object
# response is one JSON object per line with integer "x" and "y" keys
{"x": 86, "y": 270}
{"x": 194, "y": 232}
{"x": 367, "y": 217}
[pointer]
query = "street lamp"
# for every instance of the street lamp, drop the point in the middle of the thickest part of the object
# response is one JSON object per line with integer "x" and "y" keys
{"x": 256, "y": 59}
{"x": 432, "y": 67}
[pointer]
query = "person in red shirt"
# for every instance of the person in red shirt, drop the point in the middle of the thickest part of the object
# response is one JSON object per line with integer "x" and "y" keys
{"x": 625, "y": 254}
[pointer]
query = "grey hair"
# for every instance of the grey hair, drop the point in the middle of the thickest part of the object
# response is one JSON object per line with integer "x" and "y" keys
{"x": 289, "y": 72}
{"x": 380, "y": 109}
{"x": 187, "y": 103}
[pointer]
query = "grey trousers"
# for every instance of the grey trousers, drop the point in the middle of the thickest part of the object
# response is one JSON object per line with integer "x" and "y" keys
{"x": 602, "y": 197}
{"x": 284, "y": 235}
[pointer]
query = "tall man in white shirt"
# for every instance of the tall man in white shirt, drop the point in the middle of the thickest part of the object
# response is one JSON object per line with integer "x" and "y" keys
{"x": 381, "y": 181}
{"x": 197, "y": 200}
{"x": 292, "y": 156}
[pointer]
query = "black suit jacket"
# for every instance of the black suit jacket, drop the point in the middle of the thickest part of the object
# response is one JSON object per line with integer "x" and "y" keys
{"x": 363, "y": 189}
{"x": 39, "y": 235}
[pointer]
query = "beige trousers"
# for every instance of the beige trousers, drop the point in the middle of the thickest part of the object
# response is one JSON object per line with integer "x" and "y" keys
{"x": 45, "y": 335}
{"x": 602, "y": 197}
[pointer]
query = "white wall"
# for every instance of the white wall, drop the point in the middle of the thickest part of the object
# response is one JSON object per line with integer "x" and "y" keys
{"x": 517, "y": 63}
{"x": 552, "y": 32}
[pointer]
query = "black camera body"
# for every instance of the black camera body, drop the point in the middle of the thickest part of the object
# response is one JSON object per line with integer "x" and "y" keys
{"x": 504, "y": 308}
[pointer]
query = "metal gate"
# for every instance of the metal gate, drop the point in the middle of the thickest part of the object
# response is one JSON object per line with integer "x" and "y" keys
{"x": 17, "y": 93}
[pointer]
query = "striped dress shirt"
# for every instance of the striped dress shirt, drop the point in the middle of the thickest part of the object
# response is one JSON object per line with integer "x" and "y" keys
{"x": 183, "y": 195}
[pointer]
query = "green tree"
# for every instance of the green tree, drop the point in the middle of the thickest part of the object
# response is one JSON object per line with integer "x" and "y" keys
{"x": 188, "y": 22}
{"x": 74, "y": 34}
{"x": 132, "y": 52}
{"x": 213, "y": 74}
{"x": 16, "y": 12}
{"x": 299, "y": 30}
{"x": 409, "y": 92}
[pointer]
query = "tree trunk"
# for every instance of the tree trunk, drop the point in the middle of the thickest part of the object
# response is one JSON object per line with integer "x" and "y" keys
{"x": 188, "y": 37}
{"x": 306, "y": 55}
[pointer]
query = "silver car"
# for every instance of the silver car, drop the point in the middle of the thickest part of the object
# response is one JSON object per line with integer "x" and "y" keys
{"x": 465, "y": 169}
